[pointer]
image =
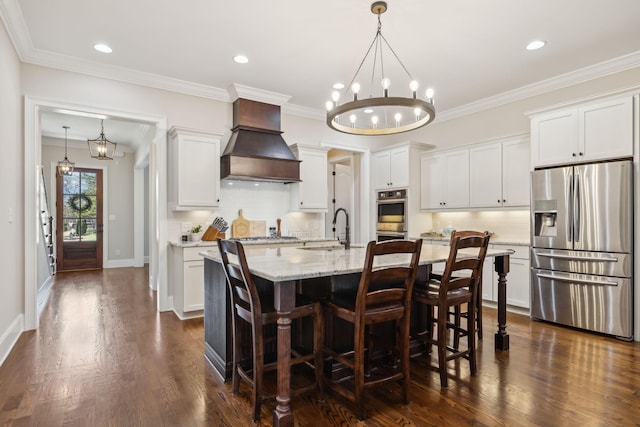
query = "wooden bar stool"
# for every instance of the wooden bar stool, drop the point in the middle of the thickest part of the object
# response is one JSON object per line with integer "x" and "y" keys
{"x": 249, "y": 309}
{"x": 456, "y": 288}
{"x": 383, "y": 295}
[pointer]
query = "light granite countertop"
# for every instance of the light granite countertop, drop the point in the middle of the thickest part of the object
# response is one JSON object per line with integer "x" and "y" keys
{"x": 261, "y": 242}
{"x": 279, "y": 264}
{"x": 495, "y": 240}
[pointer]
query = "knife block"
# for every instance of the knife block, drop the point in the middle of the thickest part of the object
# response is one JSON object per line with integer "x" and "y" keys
{"x": 212, "y": 234}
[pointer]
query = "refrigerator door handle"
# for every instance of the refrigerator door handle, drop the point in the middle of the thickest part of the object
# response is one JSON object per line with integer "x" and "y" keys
{"x": 600, "y": 282}
{"x": 578, "y": 258}
{"x": 576, "y": 207}
{"x": 569, "y": 210}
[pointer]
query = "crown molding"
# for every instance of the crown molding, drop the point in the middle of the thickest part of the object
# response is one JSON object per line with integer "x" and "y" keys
{"x": 12, "y": 17}
{"x": 561, "y": 81}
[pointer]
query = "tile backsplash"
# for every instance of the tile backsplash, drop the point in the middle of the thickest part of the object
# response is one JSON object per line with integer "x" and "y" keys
{"x": 258, "y": 201}
{"x": 506, "y": 225}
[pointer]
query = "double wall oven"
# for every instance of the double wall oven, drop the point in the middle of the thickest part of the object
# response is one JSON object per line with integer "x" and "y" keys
{"x": 392, "y": 215}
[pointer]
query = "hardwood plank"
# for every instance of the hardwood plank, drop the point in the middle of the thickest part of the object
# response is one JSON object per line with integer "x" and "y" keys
{"x": 104, "y": 356}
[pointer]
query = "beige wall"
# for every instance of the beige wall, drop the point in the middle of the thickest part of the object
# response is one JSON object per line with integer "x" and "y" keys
{"x": 11, "y": 190}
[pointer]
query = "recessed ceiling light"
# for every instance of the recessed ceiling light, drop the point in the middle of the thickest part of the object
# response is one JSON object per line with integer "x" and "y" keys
{"x": 368, "y": 111}
{"x": 338, "y": 86}
{"x": 101, "y": 47}
{"x": 536, "y": 44}
{"x": 241, "y": 59}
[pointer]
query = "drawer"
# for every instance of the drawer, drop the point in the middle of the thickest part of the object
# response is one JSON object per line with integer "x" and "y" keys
{"x": 191, "y": 254}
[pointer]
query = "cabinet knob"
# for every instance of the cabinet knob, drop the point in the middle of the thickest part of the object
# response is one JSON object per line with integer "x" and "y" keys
{"x": 218, "y": 200}
{"x": 302, "y": 203}
{"x": 504, "y": 201}
{"x": 579, "y": 154}
{"x": 498, "y": 200}
{"x": 573, "y": 154}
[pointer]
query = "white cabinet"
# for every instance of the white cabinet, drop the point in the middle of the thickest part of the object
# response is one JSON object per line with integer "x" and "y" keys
{"x": 391, "y": 168}
{"x": 310, "y": 195}
{"x": 194, "y": 169}
{"x": 499, "y": 174}
{"x": 591, "y": 131}
{"x": 518, "y": 290}
{"x": 187, "y": 278}
{"x": 444, "y": 180}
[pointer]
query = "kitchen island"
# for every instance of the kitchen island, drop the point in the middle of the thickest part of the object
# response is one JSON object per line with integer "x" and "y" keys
{"x": 291, "y": 269}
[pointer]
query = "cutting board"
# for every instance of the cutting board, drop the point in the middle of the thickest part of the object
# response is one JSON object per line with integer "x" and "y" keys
{"x": 257, "y": 228}
{"x": 240, "y": 226}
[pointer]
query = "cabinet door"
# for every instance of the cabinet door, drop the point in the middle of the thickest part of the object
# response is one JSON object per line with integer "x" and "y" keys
{"x": 606, "y": 129}
{"x": 485, "y": 171}
{"x": 488, "y": 281}
{"x": 431, "y": 182}
{"x": 399, "y": 167}
{"x": 193, "y": 285}
{"x": 554, "y": 137}
{"x": 456, "y": 180}
{"x": 518, "y": 283}
{"x": 515, "y": 173}
{"x": 197, "y": 172}
{"x": 381, "y": 170}
{"x": 313, "y": 172}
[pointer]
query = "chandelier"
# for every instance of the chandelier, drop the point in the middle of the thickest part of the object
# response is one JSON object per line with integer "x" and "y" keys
{"x": 65, "y": 167}
{"x": 380, "y": 114}
{"x": 101, "y": 148}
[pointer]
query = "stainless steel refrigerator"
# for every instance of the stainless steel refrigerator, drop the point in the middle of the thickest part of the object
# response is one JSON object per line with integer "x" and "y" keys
{"x": 582, "y": 240}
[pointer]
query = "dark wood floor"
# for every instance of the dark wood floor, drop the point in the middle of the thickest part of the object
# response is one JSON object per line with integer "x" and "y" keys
{"x": 103, "y": 356}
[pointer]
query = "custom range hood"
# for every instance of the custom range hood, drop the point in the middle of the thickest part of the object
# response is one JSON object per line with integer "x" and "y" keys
{"x": 256, "y": 151}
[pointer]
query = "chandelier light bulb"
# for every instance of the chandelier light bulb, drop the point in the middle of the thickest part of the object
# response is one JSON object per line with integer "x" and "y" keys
{"x": 329, "y": 105}
{"x": 335, "y": 96}
{"x": 352, "y": 119}
{"x": 374, "y": 120}
{"x": 386, "y": 83}
{"x": 355, "y": 88}
{"x": 417, "y": 113}
{"x": 414, "y": 87}
{"x": 398, "y": 117}
{"x": 429, "y": 94}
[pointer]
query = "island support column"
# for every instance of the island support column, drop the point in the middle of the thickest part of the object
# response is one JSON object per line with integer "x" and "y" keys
{"x": 284, "y": 300}
{"x": 502, "y": 337}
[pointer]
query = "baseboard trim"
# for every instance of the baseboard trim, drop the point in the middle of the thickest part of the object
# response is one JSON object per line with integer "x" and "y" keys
{"x": 10, "y": 336}
{"x": 43, "y": 294}
{"x": 120, "y": 263}
{"x": 217, "y": 363}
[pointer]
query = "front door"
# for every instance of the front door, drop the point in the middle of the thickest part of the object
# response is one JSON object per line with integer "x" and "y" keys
{"x": 79, "y": 220}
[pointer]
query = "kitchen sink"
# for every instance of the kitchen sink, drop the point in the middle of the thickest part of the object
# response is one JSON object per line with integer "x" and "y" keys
{"x": 327, "y": 248}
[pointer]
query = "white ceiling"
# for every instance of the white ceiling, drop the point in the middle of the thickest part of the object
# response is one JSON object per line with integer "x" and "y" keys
{"x": 469, "y": 51}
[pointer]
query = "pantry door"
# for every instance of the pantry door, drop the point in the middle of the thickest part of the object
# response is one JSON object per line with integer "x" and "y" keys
{"x": 79, "y": 220}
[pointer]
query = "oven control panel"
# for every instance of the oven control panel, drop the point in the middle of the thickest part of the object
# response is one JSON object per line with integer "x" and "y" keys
{"x": 391, "y": 195}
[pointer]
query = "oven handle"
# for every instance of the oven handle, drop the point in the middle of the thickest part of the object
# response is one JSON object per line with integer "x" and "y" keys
{"x": 390, "y": 233}
{"x": 559, "y": 278}
{"x": 390, "y": 201}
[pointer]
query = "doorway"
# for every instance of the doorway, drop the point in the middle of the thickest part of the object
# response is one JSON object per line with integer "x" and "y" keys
{"x": 79, "y": 220}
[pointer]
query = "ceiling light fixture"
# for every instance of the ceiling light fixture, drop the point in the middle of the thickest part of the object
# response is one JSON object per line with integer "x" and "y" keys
{"x": 393, "y": 114}
{"x": 65, "y": 167}
{"x": 101, "y": 47}
{"x": 536, "y": 44}
{"x": 241, "y": 59}
{"x": 101, "y": 148}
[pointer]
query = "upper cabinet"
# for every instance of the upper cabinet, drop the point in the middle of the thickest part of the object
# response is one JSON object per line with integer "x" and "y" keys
{"x": 591, "y": 131}
{"x": 499, "y": 174}
{"x": 194, "y": 169}
{"x": 444, "y": 180}
{"x": 391, "y": 168}
{"x": 310, "y": 195}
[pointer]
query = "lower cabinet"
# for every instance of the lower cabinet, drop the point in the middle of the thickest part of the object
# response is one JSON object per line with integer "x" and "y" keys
{"x": 187, "y": 277}
{"x": 517, "y": 278}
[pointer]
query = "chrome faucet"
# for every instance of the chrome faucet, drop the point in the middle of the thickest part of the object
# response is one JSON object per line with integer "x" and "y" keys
{"x": 347, "y": 241}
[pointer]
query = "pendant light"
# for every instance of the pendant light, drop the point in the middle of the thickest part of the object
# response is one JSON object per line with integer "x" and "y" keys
{"x": 65, "y": 167}
{"x": 101, "y": 148}
{"x": 379, "y": 113}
